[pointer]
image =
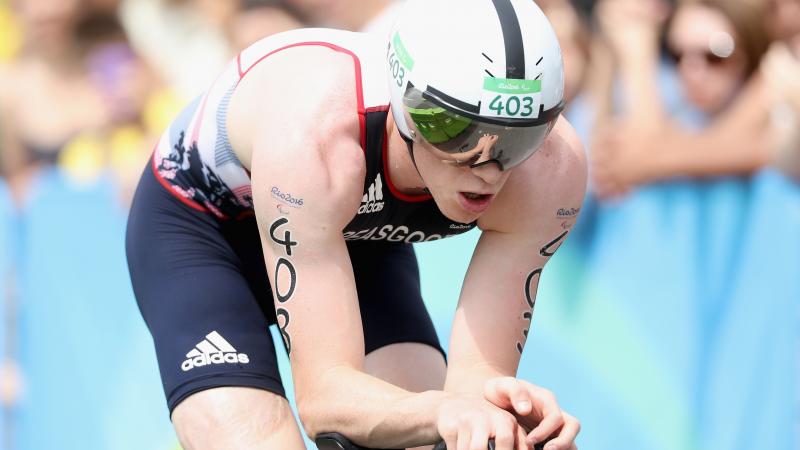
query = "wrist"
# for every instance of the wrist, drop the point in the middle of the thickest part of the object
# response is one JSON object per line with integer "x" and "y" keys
{"x": 470, "y": 381}
{"x": 657, "y": 166}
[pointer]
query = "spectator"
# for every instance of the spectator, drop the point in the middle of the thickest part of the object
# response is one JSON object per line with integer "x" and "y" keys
{"x": 183, "y": 40}
{"x": 355, "y": 15}
{"x": 46, "y": 96}
{"x": 574, "y": 38}
{"x": 585, "y": 76}
{"x": 189, "y": 41}
{"x": 259, "y": 19}
{"x": 782, "y": 73}
{"x": 723, "y": 42}
{"x": 128, "y": 90}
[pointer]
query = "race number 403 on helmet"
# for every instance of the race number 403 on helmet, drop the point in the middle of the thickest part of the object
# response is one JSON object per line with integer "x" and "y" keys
{"x": 472, "y": 77}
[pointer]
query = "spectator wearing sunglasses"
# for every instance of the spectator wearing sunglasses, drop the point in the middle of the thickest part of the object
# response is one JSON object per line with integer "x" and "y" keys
{"x": 718, "y": 46}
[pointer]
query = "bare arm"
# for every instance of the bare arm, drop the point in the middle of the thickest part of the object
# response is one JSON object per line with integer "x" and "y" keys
{"x": 527, "y": 224}
{"x": 738, "y": 142}
{"x": 524, "y": 227}
{"x": 307, "y": 144}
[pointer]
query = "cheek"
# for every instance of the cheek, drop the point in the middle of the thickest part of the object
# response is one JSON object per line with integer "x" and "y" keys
{"x": 727, "y": 84}
{"x": 711, "y": 90}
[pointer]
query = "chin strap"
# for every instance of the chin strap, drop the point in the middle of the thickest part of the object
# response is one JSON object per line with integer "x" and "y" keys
{"x": 410, "y": 145}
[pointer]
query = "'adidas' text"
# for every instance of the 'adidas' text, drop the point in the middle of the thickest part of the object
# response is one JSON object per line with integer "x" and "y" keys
{"x": 214, "y": 349}
{"x": 372, "y": 201}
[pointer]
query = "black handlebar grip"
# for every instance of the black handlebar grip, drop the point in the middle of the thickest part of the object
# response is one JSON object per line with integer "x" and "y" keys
{"x": 442, "y": 446}
{"x": 335, "y": 441}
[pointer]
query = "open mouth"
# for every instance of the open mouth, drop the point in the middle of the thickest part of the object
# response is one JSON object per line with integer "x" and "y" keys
{"x": 475, "y": 203}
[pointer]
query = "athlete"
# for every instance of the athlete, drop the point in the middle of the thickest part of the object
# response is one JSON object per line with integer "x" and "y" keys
{"x": 290, "y": 194}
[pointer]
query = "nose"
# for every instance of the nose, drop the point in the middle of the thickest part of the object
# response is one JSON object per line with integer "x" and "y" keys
{"x": 486, "y": 169}
{"x": 489, "y": 173}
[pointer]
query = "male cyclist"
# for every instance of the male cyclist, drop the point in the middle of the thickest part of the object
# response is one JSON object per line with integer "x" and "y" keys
{"x": 291, "y": 193}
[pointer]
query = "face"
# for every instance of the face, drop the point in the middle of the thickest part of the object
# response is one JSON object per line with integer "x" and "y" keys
{"x": 784, "y": 18}
{"x": 461, "y": 192}
{"x": 568, "y": 27}
{"x": 711, "y": 67}
{"x": 44, "y": 19}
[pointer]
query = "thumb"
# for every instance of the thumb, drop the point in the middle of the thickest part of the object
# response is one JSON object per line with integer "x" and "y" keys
{"x": 508, "y": 394}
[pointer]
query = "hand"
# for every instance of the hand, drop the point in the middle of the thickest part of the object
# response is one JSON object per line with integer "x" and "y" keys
{"x": 632, "y": 25}
{"x": 621, "y": 159}
{"x": 535, "y": 408}
{"x": 781, "y": 69}
{"x": 468, "y": 422}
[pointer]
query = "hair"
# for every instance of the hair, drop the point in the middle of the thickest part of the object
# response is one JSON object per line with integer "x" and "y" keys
{"x": 747, "y": 18}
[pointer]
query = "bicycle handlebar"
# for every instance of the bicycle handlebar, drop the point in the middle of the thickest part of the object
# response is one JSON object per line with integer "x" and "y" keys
{"x": 335, "y": 441}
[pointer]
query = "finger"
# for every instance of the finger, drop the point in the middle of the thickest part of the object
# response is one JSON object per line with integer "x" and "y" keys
{"x": 451, "y": 442}
{"x": 520, "y": 398}
{"x": 504, "y": 435}
{"x": 508, "y": 393}
{"x": 480, "y": 439}
{"x": 521, "y": 439}
{"x": 552, "y": 421}
{"x": 464, "y": 436}
{"x": 566, "y": 437}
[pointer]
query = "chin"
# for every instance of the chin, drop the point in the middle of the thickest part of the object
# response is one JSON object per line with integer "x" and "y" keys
{"x": 454, "y": 212}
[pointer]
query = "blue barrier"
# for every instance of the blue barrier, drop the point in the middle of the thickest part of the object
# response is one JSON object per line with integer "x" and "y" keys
{"x": 668, "y": 320}
{"x": 90, "y": 371}
{"x": 6, "y": 258}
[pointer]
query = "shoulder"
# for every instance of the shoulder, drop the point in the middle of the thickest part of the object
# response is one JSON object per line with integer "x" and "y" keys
{"x": 300, "y": 116}
{"x": 305, "y": 94}
{"x": 553, "y": 179}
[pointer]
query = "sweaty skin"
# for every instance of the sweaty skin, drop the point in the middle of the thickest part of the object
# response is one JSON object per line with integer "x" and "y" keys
{"x": 293, "y": 124}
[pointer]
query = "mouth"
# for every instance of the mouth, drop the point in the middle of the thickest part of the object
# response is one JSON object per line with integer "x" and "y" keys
{"x": 474, "y": 202}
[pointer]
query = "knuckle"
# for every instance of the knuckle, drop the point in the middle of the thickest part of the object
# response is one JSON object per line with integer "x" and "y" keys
{"x": 508, "y": 382}
{"x": 448, "y": 427}
{"x": 548, "y": 396}
{"x": 504, "y": 438}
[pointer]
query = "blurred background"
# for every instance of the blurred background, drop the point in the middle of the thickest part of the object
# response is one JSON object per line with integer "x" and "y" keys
{"x": 669, "y": 319}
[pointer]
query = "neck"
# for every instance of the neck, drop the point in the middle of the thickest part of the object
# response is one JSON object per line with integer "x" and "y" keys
{"x": 403, "y": 172}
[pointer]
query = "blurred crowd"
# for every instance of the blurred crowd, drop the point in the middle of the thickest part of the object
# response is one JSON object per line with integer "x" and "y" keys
{"x": 659, "y": 90}
{"x": 87, "y": 84}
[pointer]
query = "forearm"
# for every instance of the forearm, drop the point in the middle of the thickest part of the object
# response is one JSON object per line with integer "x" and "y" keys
{"x": 638, "y": 72}
{"x": 369, "y": 411}
{"x": 471, "y": 380}
{"x": 684, "y": 154}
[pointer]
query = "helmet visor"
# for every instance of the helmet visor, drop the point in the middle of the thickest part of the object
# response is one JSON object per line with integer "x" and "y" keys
{"x": 471, "y": 141}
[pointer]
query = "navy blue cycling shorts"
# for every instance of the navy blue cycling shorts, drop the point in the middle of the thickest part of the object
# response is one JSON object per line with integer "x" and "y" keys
{"x": 202, "y": 288}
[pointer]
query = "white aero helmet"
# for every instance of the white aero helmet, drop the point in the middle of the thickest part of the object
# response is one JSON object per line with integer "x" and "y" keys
{"x": 472, "y": 75}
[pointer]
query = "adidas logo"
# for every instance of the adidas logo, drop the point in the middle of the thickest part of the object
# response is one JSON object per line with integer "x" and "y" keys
{"x": 372, "y": 201}
{"x": 214, "y": 349}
